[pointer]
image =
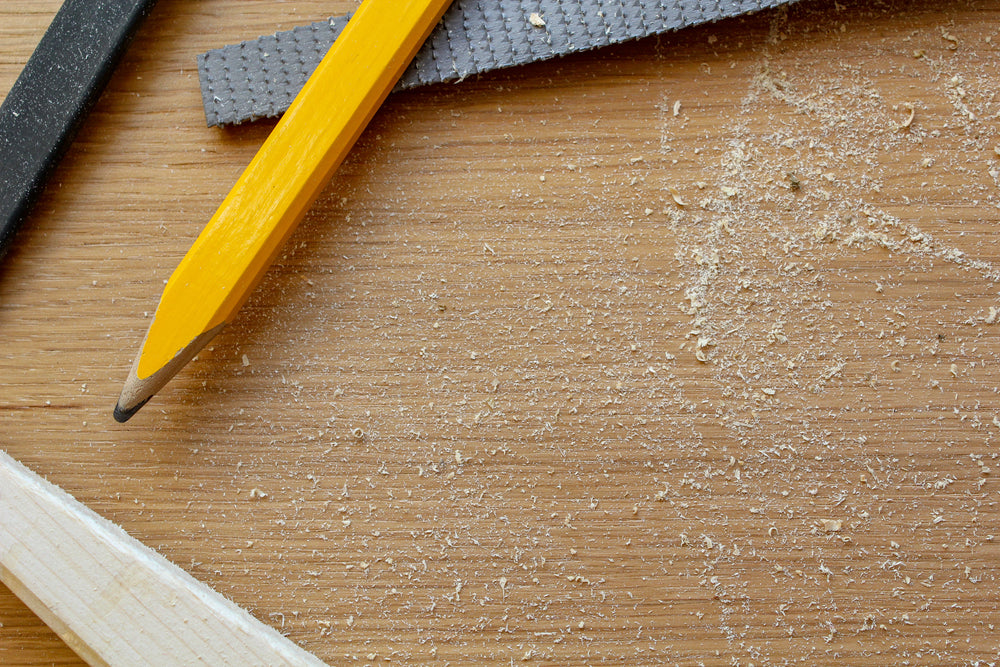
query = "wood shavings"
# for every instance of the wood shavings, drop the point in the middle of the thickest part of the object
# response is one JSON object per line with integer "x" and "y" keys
{"x": 911, "y": 112}
{"x": 950, "y": 38}
{"x": 832, "y": 525}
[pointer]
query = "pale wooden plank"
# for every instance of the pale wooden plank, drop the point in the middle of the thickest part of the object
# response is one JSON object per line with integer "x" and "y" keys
{"x": 113, "y": 600}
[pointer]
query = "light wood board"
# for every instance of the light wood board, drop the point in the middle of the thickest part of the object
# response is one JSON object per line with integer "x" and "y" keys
{"x": 680, "y": 352}
{"x": 113, "y": 600}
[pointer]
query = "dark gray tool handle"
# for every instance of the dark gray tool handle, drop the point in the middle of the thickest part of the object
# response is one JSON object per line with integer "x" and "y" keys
{"x": 260, "y": 78}
{"x": 61, "y": 82}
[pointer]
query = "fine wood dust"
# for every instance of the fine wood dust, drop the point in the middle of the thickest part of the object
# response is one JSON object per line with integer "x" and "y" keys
{"x": 707, "y": 379}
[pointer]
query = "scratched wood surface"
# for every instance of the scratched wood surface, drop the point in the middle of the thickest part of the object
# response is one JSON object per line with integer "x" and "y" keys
{"x": 680, "y": 352}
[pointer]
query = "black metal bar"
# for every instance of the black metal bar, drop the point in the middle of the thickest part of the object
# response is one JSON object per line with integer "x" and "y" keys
{"x": 61, "y": 82}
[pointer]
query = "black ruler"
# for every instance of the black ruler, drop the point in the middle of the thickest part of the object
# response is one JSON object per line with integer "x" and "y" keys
{"x": 61, "y": 82}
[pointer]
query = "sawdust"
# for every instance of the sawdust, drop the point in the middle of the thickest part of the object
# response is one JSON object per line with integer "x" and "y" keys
{"x": 797, "y": 247}
{"x": 771, "y": 442}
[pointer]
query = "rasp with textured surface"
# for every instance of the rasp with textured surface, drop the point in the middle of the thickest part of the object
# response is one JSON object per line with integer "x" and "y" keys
{"x": 260, "y": 78}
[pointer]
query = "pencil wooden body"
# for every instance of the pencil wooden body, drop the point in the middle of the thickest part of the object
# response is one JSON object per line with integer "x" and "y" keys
{"x": 113, "y": 600}
{"x": 232, "y": 253}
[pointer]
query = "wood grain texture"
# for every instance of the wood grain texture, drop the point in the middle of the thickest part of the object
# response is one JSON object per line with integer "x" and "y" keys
{"x": 682, "y": 352}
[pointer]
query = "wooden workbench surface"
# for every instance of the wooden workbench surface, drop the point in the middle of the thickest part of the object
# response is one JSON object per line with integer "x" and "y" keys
{"x": 678, "y": 352}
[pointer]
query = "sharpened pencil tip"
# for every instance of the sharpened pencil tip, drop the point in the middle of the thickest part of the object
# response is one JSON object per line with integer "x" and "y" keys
{"x": 122, "y": 415}
{"x": 137, "y": 391}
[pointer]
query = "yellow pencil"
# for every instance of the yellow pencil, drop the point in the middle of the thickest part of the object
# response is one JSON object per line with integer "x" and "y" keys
{"x": 234, "y": 250}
